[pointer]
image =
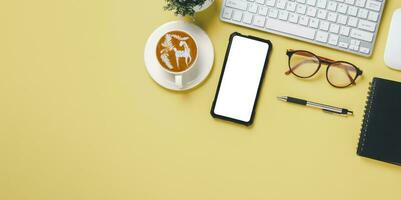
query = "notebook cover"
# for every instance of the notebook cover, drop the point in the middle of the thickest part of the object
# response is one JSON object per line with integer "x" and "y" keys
{"x": 380, "y": 137}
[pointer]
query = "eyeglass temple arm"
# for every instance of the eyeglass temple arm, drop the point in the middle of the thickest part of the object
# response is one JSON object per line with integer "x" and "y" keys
{"x": 326, "y": 60}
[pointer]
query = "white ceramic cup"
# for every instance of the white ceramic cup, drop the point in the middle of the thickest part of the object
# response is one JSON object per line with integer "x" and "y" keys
{"x": 178, "y": 76}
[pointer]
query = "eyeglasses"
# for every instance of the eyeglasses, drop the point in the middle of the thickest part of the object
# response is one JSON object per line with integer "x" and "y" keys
{"x": 305, "y": 64}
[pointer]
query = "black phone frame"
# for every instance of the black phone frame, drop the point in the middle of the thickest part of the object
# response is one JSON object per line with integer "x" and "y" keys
{"x": 251, "y": 120}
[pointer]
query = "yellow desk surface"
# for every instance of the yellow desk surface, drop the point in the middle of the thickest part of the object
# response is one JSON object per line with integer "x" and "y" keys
{"x": 80, "y": 118}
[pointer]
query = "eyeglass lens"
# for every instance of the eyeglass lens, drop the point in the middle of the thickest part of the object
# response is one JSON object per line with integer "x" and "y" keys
{"x": 304, "y": 64}
{"x": 341, "y": 74}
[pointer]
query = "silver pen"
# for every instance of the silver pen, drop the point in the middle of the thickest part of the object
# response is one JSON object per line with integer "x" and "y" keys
{"x": 326, "y": 108}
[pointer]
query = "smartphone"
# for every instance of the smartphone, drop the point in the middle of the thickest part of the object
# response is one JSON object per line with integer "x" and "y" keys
{"x": 240, "y": 81}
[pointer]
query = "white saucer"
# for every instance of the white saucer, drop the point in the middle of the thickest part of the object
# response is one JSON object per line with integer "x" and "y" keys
{"x": 197, "y": 73}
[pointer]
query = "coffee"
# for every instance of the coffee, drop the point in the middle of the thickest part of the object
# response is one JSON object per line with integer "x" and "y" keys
{"x": 176, "y": 51}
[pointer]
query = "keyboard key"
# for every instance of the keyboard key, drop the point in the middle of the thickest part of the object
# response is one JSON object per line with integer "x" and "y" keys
{"x": 273, "y": 13}
{"x": 301, "y": 9}
{"x": 353, "y": 47}
{"x": 292, "y": 17}
{"x": 342, "y": 8}
{"x": 360, "y": 3}
{"x": 352, "y": 11}
{"x": 227, "y": 13}
{"x": 314, "y": 23}
{"x": 290, "y": 28}
{"x": 342, "y": 19}
{"x": 247, "y": 18}
{"x": 253, "y": 8}
{"x": 311, "y": 11}
{"x": 237, "y": 16}
{"x": 334, "y": 28}
{"x": 291, "y": 6}
{"x": 303, "y": 20}
{"x": 259, "y": 21}
{"x": 355, "y": 42}
{"x": 281, "y": 4}
{"x": 363, "y": 13}
{"x": 344, "y": 30}
{"x": 352, "y": 21}
{"x": 270, "y": 2}
{"x": 263, "y": 10}
{"x": 350, "y": 2}
{"x": 367, "y": 25}
{"x": 364, "y": 50}
{"x": 321, "y": 3}
{"x": 332, "y": 17}
{"x": 361, "y": 35}
{"x": 322, "y": 36}
{"x": 238, "y": 4}
{"x": 321, "y": 14}
{"x": 373, "y": 5}
{"x": 373, "y": 16}
{"x": 311, "y": 2}
{"x": 283, "y": 15}
{"x": 324, "y": 25}
{"x": 332, "y": 6}
{"x": 333, "y": 39}
{"x": 260, "y": 1}
{"x": 343, "y": 45}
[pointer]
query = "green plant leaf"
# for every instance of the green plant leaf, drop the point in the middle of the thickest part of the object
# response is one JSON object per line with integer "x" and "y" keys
{"x": 183, "y": 7}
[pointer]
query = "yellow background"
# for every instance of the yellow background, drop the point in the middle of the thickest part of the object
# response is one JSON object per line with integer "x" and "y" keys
{"x": 80, "y": 118}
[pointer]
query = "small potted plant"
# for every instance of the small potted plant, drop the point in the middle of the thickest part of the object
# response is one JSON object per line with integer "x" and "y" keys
{"x": 187, "y": 7}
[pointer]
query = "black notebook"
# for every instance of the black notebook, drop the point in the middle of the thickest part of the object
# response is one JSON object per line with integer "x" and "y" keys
{"x": 380, "y": 137}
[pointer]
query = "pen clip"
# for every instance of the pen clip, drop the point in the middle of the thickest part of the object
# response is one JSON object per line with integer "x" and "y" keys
{"x": 330, "y": 111}
{"x": 344, "y": 112}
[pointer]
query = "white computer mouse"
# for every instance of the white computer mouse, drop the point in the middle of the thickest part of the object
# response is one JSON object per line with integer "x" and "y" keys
{"x": 392, "y": 54}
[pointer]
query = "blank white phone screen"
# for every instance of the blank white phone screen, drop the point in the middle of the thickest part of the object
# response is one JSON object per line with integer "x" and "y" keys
{"x": 241, "y": 78}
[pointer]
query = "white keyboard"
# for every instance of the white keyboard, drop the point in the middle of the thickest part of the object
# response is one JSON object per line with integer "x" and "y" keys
{"x": 347, "y": 25}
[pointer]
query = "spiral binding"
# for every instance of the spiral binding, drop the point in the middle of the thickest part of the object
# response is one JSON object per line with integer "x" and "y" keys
{"x": 364, "y": 128}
